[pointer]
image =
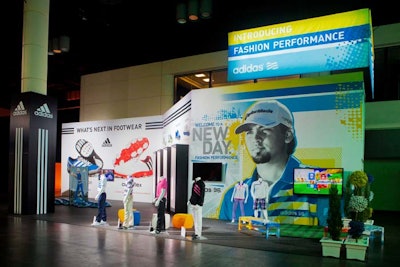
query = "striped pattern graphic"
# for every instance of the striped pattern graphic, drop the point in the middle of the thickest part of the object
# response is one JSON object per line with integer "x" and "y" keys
{"x": 18, "y": 148}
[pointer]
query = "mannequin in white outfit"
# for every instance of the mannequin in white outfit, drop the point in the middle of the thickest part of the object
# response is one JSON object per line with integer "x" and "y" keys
{"x": 259, "y": 192}
{"x": 195, "y": 206}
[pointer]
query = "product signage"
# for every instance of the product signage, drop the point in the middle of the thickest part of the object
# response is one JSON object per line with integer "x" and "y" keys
{"x": 334, "y": 42}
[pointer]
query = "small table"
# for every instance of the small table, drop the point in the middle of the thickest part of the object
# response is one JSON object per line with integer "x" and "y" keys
{"x": 250, "y": 222}
{"x": 246, "y": 221}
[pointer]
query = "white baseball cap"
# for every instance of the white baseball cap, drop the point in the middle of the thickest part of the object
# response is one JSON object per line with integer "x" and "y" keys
{"x": 268, "y": 113}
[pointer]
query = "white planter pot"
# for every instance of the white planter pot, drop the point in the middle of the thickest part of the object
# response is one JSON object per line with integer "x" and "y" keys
{"x": 356, "y": 249}
{"x": 331, "y": 248}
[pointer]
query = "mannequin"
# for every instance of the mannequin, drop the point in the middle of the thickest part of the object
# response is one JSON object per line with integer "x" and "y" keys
{"x": 259, "y": 192}
{"x": 159, "y": 203}
{"x": 101, "y": 218}
{"x": 128, "y": 204}
{"x": 239, "y": 197}
{"x": 195, "y": 206}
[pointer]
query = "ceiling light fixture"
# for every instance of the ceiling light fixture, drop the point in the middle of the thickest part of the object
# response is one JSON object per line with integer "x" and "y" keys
{"x": 64, "y": 43}
{"x": 189, "y": 10}
{"x": 181, "y": 13}
{"x": 205, "y": 9}
{"x": 58, "y": 45}
{"x": 193, "y": 8}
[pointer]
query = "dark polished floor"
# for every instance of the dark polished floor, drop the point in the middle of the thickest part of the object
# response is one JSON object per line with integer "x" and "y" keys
{"x": 66, "y": 238}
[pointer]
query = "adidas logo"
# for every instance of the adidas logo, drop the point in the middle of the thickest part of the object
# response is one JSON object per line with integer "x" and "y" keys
{"x": 43, "y": 111}
{"x": 20, "y": 110}
{"x": 106, "y": 143}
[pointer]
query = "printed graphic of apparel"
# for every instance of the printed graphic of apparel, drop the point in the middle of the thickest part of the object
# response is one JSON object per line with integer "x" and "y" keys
{"x": 260, "y": 189}
{"x": 197, "y": 190}
{"x": 240, "y": 191}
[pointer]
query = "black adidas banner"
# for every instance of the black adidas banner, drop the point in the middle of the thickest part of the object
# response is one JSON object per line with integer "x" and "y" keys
{"x": 32, "y": 153}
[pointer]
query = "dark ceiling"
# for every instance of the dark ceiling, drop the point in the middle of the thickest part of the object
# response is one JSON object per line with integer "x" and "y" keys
{"x": 109, "y": 34}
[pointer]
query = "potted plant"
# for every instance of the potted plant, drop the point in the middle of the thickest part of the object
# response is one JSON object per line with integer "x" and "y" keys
{"x": 331, "y": 245}
{"x": 334, "y": 220}
{"x": 357, "y": 202}
{"x": 357, "y": 205}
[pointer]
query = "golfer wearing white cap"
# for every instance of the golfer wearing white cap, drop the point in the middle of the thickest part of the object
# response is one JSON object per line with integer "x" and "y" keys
{"x": 268, "y": 128}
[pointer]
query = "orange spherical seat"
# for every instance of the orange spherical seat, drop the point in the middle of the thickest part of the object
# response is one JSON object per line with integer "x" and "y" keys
{"x": 182, "y": 219}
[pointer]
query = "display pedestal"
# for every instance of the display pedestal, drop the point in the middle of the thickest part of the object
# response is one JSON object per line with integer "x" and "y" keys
{"x": 356, "y": 249}
{"x": 331, "y": 248}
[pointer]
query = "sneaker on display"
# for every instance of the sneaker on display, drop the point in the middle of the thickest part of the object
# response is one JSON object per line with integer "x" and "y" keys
{"x": 96, "y": 223}
{"x": 86, "y": 150}
{"x": 81, "y": 162}
{"x": 129, "y": 159}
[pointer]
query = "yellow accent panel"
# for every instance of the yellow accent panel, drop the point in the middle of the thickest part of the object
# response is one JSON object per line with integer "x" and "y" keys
{"x": 323, "y": 23}
{"x": 306, "y": 221}
{"x": 293, "y": 206}
{"x": 313, "y": 208}
{"x": 294, "y": 220}
{"x": 323, "y": 157}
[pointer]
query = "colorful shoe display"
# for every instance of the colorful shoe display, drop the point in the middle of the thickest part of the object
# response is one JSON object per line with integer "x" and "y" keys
{"x": 81, "y": 162}
{"x": 86, "y": 151}
{"x": 128, "y": 161}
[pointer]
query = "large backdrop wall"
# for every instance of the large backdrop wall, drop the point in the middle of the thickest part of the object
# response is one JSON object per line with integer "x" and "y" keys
{"x": 324, "y": 115}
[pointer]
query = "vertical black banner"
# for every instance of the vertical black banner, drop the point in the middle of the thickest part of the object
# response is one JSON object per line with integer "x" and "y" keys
{"x": 32, "y": 153}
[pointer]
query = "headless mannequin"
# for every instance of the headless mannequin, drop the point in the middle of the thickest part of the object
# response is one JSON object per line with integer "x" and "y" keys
{"x": 259, "y": 192}
{"x": 195, "y": 206}
{"x": 159, "y": 202}
{"x": 239, "y": 197}
{"x": 128, "y": 204}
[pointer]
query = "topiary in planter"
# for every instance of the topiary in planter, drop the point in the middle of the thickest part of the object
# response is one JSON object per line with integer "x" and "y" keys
{"x": 358, "y": 196}
{"x": 334, "y": 220}
{"x": 356, "y": 229}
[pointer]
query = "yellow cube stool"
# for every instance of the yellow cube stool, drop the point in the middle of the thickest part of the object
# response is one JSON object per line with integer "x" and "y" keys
{"x": 136, "y": 216}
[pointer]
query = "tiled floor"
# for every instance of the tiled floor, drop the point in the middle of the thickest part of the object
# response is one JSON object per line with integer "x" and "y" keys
{"x": 66, "y": 238}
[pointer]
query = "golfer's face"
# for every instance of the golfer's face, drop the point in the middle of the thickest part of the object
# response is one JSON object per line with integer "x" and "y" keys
{"x": 263, "y": 143}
